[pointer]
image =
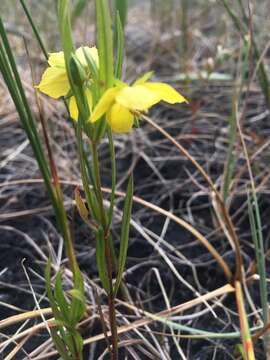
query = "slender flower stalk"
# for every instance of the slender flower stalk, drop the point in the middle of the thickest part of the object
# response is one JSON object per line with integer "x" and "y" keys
{"x": 107, "y": 254}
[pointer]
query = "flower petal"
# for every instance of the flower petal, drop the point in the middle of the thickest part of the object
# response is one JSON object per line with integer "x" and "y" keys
{"x": 57, "y": 59}
{"x": 137, "y": 97}
{"x": 91, "y": 50}
{"x": 120, "y": 118}
{"x": 104, "y": 103}
{"x": 73, "y": 108}
{"x": 54, "y": 82}
{"x": 165, "y": 92}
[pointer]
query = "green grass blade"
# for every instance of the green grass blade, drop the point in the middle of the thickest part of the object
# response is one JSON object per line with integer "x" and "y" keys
{"x": 60, "y": 298}
{"x": 78, "y": 304}
{"x": 65, "y": 32}
{"x": 198, "y": 333}
{"x": 34, "y": 28}
{"x": 60, "y": 345}
{"x": 101, "y": 262}
{"x": 105, "y": 50}
{"x": 55, "y": 310}
{"x": 87, "y": 178}
{"x": 105, "y": 43}
{"x": 11, "y": 76}
{"x": 124, "y": 233}
{"x": 257, "y": 237}
{"x": 10, "y": 73}
{"x": 113, "y": 175}
{"x": 121, "y": 8}
{"x": 231, "y": 160}
{"x": 120, "y": 45}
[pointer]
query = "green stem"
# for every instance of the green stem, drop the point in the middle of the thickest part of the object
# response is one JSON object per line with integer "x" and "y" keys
{"x": 108, "y": 252}
{"x": 34, "y": 28}
{"x": 90, "y": 196}
{"x": 113, "y": 178}
{"x": 96, "y": 174}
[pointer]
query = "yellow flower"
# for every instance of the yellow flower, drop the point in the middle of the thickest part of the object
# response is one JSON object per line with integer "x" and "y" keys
{"x": 123, "y": 103}
{"x": 55, "y": 83}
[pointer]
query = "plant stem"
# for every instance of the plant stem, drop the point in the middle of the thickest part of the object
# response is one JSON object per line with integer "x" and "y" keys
{"x": 108, "y": 253}
{"x": 34, "y": 28}
{"x": 244, "y": 327}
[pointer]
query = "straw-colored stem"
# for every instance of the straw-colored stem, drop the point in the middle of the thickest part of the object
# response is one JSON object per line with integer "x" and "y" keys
{"x": 244, "y": 327}
{"x": 221, "y": 206}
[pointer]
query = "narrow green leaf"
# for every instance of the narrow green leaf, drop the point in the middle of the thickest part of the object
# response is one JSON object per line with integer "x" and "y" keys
{"x": 257, "y": 237}
{"x": 87, "y": 178}
{"x": 65, "y": 29}
{"x": 78, "y": 303}
{"x": 124, "y": 233}
{"x": 121, "y": 7}
{"x": 105, "y": 43}
{"x": 120, "y": 45}
{"x": 78, "y": 307}
{"x": 77, "y": 338}
{"x": 56, "y": 313}
{"x": 60, "y": 298}
{"x": 78, "y": 280}
{"x": 77, "y": 294}
{"x": 34, "y": 28}
{"x": 101, "y": 259}
{"x": 105, "y": 50}
{"x": 11, "y": 77}
{"x": 60, "y": 345}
